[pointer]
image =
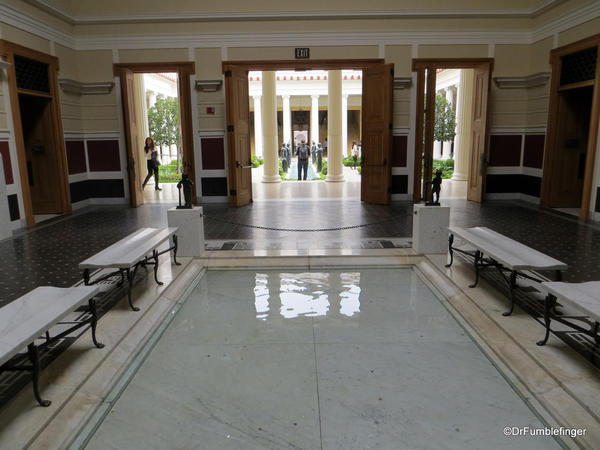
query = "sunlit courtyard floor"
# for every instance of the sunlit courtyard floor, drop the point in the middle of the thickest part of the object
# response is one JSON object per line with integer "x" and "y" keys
{"x": 306, "y": 190}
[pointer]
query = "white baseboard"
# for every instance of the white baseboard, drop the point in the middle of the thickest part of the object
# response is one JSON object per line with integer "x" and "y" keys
{"x": 513, "y": 196}
{"x": 214, "y": 199}
{"x": 401, "y": 197}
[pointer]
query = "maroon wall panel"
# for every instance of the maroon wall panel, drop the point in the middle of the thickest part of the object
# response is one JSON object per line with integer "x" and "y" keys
{"x": 104, "y": 156}
{"x": 76, "y": 157}
{"x": 213, "y": 154}
{"x": 8, "y": 175}
{"x": 399, "y": 148}
{"x": 505, "y": 150}
{"x": 534, "y": 150}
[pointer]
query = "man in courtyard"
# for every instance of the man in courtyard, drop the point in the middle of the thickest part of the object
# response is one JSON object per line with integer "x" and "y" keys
{"x": 303, "y": 155}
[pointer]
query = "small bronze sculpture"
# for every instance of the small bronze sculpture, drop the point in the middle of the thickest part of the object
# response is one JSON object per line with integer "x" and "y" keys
{"x": 436, "y": 186}
{"x": 186, "y": 184}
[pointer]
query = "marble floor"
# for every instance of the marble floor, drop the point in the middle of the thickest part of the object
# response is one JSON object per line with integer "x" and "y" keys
{"x": 352, "y": 359}
{"x": 310, "y": 190}
{"x": 169, "y": 193}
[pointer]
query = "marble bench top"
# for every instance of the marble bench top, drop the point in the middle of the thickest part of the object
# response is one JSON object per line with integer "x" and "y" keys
{"x": 130, "y": 250}
{"x": 25, "y": 319}
{"x": 511, "y": 254}
{"x": 582, "y": 296}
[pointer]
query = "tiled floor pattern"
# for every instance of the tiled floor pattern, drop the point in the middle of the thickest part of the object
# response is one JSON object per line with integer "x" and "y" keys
{"x": 49, "y": 253}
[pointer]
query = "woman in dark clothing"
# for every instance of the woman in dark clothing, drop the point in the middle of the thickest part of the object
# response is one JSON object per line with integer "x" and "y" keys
{"x": 151, "y": 162}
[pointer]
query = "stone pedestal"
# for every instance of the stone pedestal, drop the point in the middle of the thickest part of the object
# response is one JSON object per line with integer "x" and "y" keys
{"x": 190, "y": 234}
{"x": 430, "y": 228}
{"x": 5, "y": 231}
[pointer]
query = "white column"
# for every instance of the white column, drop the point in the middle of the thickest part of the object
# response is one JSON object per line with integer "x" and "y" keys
{"x": 287, "y": 120}
{"x": 269, "y": 129}
{"x": 447, "y": 145}
{"x": 464, "y": 120}
{"x": 344, "y": 125}
{"x": 334, "y": 126}
{"x": 314, "y": 119}
{"x": 258, "y": 142}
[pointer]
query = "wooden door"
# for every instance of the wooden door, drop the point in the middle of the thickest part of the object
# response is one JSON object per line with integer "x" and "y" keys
{"x": 131, "y": 137}
{"x": 238, "y": 136}
{"x": 377, "y": 99}
{"x": 41, "y": 154}
{"x": 572, "y": 131}
{"x": 479, "y": 134}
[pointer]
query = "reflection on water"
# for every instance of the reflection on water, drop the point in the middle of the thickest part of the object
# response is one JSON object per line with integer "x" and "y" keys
{"x": 307, "y": 294}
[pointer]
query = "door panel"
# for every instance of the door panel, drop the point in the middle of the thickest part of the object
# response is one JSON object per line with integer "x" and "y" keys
{"x": 41, "y": 153}
{"x": 572, "y": 131}
{"x": 131, "y": 137}
{"x": 238, "y": 137}
{"x": 479, "y": 133}
{"x": 377, "y": 99}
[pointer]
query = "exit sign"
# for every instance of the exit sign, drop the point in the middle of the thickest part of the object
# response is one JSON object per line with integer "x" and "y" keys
{"x": 302, "y": 53}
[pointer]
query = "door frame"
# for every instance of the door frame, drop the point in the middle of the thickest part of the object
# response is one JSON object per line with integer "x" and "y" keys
{"x": 551, "y": 147}
{"x": 184, "y": 71}
{"x": 286, "y": 64}
{"x": 424, "y": 132}
{"x": 8, "y": 50}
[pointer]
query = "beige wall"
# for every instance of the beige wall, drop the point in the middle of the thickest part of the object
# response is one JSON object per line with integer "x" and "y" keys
{"x": 24, "y": 38}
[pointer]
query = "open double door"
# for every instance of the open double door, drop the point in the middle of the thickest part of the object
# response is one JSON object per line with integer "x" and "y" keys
{"x": 424, "y": 140}
{"x": 377, "y": 98}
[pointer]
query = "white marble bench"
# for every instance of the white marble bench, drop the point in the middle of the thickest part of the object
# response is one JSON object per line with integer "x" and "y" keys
{"x": 128, "y": 254}
{"x": 584, "y": 297}
{"x": 493, "y": 249}
{"x": 27, "y": 318}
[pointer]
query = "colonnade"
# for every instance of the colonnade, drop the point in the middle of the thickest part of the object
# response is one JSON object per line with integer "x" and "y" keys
{"x": 265, "y": 125}
{"x": 460, "y": 96}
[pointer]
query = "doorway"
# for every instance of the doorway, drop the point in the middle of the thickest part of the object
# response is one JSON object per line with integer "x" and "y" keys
{"x": 451, "y": 126}
{"x": 374, "y": 125}
{"x": 572, "y": 131}
{"x": 161, "y": 90}
{"x": 302, "y": 104}
{"x": 33, "y": 89}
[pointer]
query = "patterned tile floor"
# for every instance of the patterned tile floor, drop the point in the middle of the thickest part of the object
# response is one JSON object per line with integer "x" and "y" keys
{"x": 49, "y": 253}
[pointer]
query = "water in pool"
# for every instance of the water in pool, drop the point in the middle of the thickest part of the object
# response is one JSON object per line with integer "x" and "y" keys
{"x": 351, "y": 359}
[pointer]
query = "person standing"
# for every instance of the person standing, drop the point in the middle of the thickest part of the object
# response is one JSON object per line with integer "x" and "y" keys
{"x": 151, "y": 163}
{"x": 354, "y": 153}
{"x": 325, "y": 147}
{"x": 303, "y": 155}
{"x": 319, "y": 158}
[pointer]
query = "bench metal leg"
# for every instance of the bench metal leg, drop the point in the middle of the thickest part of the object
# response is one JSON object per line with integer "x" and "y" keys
{"x": 549, "y": 303}
{"x": 94, "y": 322}
{"x": 476, "y": 264}
{"x": 175, "y": 246}
{"x": 130, "y": 277}
{"x": 155, "y": 257}
{"x": 512, "y": 285}
{"x": 450, "y": 250}
{"x": 32, "y": 351}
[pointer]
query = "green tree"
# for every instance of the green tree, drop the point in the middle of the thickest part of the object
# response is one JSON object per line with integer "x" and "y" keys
{"x": 163, "y": 122}
{"x": 445, "y": 120}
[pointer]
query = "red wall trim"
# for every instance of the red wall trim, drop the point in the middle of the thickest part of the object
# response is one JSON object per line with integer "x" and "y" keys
{"x": 8, "y": 174}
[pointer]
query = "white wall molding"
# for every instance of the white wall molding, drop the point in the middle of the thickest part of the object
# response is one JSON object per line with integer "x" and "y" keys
{"x": 524, "y": 82}
{"x": 518, "y": 130}
{"x": 211, "y": 133}
{"x": 24, "y": 22}
{"x": 77, "y": 87}
{"x": 214, "y": 199}
{"x": 213, "y": 173}
{"x": 400, "y": 171}
{"x": 401, "y": 131}
{"x": 569, "y": 20}
{"x": 91, "y": 135}
{"x": 4, "y": 135}
{"x": 401, "y": 197}
{"x": 393, "y": 37}
{"x": 295, "y": 15}
{"x": 214, "y": 40}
